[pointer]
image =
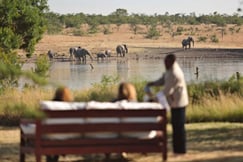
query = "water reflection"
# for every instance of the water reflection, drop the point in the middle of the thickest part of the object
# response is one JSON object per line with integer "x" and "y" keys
{"x": 123, "y": 66}
{"x": 78, "y": 75}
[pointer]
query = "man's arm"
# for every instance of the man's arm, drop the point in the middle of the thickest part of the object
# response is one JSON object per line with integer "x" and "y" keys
{"x": 158, "y": 82}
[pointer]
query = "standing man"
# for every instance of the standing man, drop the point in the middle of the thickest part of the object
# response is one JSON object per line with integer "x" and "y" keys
{"x": 175, "y": 90}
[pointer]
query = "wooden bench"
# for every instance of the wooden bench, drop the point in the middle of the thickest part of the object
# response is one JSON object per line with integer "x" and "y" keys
{"x": 111, "y": 131}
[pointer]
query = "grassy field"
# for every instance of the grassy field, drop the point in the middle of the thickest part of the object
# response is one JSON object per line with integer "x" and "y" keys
{"x": 206, "y": 142}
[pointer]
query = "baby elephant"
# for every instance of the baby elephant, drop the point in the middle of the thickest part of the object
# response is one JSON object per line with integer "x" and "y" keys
{"x": 103, "y": 55}
{"x": 108, "y": 53}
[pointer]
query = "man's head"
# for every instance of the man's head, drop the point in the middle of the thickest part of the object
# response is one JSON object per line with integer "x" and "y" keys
{"x": 169, "y": 61}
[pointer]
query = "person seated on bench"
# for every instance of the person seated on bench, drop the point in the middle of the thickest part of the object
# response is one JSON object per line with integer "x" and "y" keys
{"x": 62, "y": 93}
{"x": 126, "y": 91}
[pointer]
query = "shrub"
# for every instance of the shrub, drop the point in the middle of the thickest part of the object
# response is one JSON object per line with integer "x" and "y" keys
{"x": 78, "y": 32}
{"x": 238, "y": 30}
{"x": 10, "y": 70}
{"x": 103, "y": 91}
{"x": 106, "y": 31}
{"x": 202, "y": 39}
{"x": 179, "y": 29}
{"x": 42, "y": 66}
{"x": 153, "y": 33}
{"x": 214, "y": 39}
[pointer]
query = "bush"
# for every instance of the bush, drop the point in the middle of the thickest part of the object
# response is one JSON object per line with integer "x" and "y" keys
{"x": 78, "y": 32}
{"x": 106, "y": 30}
{"x": 153, "y": 33}
{"x": 42, "y": 66}
{"x": 202, "y": 39}
{"x": 93, "y": 29}
{"x": 214, "y": 39}
{"x": 10, "y": 70}
{"x": 179, "y": 29}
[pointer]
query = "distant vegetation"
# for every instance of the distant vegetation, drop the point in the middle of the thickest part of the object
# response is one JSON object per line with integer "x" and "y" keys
{"x": 56, "y": 22}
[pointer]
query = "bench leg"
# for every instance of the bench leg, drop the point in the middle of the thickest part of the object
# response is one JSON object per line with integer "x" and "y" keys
{"x": 164, "y": 155}
{"x": 38, "y": 158}
{"x": 52, "y": 158}
{"x": 107, "y": 156}
{"x": 22, "y": 157}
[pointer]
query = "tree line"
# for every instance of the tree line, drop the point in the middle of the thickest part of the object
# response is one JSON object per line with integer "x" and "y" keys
{"x": 56, "y": 22}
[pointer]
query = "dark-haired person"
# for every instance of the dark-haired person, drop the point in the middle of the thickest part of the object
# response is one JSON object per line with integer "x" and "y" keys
{"x": 175, "y": 90}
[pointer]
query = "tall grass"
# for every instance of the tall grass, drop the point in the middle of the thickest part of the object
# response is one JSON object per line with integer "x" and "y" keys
{"x": 225, "y": 108}
{"x": 209, "y": 101}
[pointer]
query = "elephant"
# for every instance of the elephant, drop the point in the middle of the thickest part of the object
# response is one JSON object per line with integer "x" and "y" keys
{"x": 72, "y": 50}
{"x": 101, "y": 55}
{"x": 81, "y": 53}
{"x": 108, "y": 53}
{"x": 187, "y": 42}
{"x": 121, "y": 50}
{"x": 51, "y": 54}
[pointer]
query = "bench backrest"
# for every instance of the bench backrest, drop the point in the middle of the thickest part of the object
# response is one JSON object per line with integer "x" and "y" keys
{"x": 81, "y": 121}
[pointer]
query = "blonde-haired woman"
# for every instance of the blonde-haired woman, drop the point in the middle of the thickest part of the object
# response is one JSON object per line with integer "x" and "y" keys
{"x": 63, "y": 94}
{"x": 126, "y": 91}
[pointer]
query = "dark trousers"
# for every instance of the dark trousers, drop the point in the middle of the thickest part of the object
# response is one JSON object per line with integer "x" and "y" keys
{"x": 178, "y": 119}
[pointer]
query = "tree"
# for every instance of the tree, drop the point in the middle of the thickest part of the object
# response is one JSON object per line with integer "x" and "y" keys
{"x": 10, "y": 70}
{"x": 120, "y": 12}
{"x": 22, "y": 24}
{"x": 119, "y": 17}
{"x": 54, "y": 23}
{"x": 153, "y": 33}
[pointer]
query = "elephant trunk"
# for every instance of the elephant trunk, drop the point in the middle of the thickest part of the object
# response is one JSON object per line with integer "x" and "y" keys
{"x": 90, "y": 56}
{"x": 126, "y": 49}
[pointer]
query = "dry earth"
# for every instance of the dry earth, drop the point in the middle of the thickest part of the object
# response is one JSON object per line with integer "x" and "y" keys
{"x": 138, "y": 44}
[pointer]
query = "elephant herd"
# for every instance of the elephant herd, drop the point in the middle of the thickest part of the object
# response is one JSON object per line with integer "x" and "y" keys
{"x": 78, "y": 53}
